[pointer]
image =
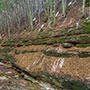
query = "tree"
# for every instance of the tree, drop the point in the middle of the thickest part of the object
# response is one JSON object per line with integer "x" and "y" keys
{"x": 54, "y": 12}
{"x": 89, "y": 10}
{"x": 30, "y": 14}
{"x": 39, "y": 11}
{"x": 6, "y": 8}
{"x": 63, "y": 7}
{"x": 83, "y": 9}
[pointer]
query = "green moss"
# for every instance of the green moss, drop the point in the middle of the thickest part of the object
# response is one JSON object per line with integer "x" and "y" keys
{"x": 64, "y": 83}
{"x": 11, "y": 41}
{"x": 55, "y": 40}
{"x": 60, "y": 40}
{"x": 84, "y": 54}
{"x": 86, "y": 26}
{"x": 72, "y": 38}
{"x": 74, "y": 85}
{"x": 38, "y": 42}
{"x": 43, "y": 35}
{"x": 46, "y": 41}
{"x": 73, "y": 32}
{"x": 84, "y": 37}
{"x": 55, "y": 54}
{"x": 24, "y": 51}
{"x": 23, "y": 40}
{"x": 5, "y": 50}
{"x": 7, "y": 57}
{"x": 66, "y": 54}
{"x": 28, "y": 51}
{"x": 8, "y": 45}
{"x": 85, "y": 30}
{"x": 17, "y": 52}
{"x": 51, "y": 41}
{"x": 82, "y": 45}
{"x": 28, "y": 43}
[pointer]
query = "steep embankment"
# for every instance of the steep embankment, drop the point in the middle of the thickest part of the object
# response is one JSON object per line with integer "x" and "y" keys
{"x": 49, "y": 57}
{"x": 60, "y": 56}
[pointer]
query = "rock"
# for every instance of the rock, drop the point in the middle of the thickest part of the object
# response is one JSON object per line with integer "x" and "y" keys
{"x": 8, "y": 72}
{"x": 1, "y": 87}
{"x": 2, "y": 64}
{"x": 67, "y": 45}
{"x": 3, "y": 78}
{"x": 16, "y": 77}
{"x": 46, "y": 86}
{"x": 59, "y": 49}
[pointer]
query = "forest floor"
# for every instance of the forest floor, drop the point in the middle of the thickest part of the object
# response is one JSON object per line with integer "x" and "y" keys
{"x": 10, "y": 79}
{"x": 59, "y": 56}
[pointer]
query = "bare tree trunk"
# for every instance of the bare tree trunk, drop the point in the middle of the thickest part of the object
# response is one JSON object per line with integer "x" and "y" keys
{"x": 51, "y": 8}
{"x": 63, "y": 7}
{"x": 83, "y": 9}
{"x": 54, "y": 12}
{"x": 7, "y": 16}
{"x": 30, "y": 14}
{"x": 89, "y": 10}
{"x": 39, "y": 11}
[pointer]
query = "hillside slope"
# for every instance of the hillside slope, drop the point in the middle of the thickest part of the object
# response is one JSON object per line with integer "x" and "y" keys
{"x": 59, "y": 56}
